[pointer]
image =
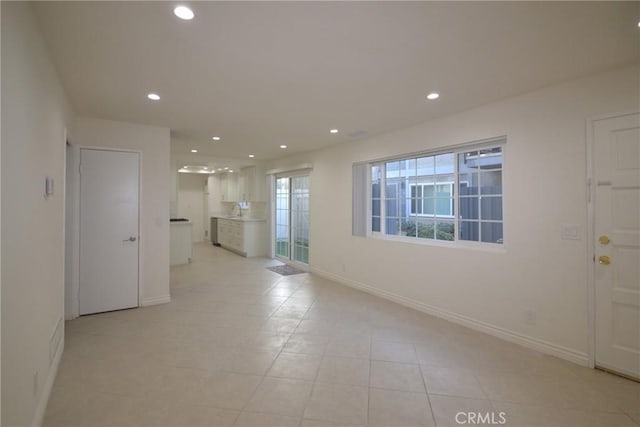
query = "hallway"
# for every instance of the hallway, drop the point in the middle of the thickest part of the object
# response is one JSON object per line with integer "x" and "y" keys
{"x": 240, "y": 345}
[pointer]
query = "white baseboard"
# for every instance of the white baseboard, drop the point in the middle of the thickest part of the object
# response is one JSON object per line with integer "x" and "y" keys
{"x": 41, "y": 407}
{"x": 155, "y": 300}
{"x": 496, "y": 331}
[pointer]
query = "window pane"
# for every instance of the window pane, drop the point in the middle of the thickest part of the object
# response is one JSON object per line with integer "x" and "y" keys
{"x": 391, "y": 191}
{"x": 375, "y": 207}
{"x": 444, "y": 163}
{"x": 393, "y": 226}
{"x": 391, "y": 206}
{"x": 445, "y": 230}
{"x": 469, "y": 231}
{"x": 467, "y": 162}
{"x": 491, "y": 182}
{"x": 409, "y": 228}
{"x": 409, "y": 168}
{"x": 429, "y": 206}
{"x": 375, "y": 190}
{"x": 468, "y": 183}
{"x": 468, "y": 208}
{"x": 490, "y": 158}
{"x": 375, "y": 223}
{"x": 425, "y": 228}
{"x": 426, "y": 166}
{"x": 392, "y": 169}
{"x": 492, "y": 232}
{"x": 491, "y": 208}
{"x": 443, "y": 207}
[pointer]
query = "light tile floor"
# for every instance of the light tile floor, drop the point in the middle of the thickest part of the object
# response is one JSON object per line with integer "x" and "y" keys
{"x": 240, "y": 345}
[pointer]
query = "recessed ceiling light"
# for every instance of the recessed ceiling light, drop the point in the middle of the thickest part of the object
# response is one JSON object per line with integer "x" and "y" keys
{"x": 639, "y": 24}
{"x": 283, "y": 146}
{"x": 216, "y": 138}
{"x": 183, "y": 12}
{"x": 433, "y": 95}
{"x": 231, "y": 171}
{"x": 333, "y": 131}
{"x": 153, "y": 97}
{"x": 194, "y": 151}
{"x": 251, "y": 155}
{"x": 226, "y": 168}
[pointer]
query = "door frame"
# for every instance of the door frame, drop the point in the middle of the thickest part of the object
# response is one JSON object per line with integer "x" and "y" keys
{"x": 591, "y": 248}
{"x": 73, "y": 288}
{"x": 305, "y": 169}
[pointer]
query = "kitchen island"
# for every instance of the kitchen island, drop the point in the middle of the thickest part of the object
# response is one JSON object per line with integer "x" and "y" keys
{"x": 180, "y": 241}
{"x": 245, "y": 236}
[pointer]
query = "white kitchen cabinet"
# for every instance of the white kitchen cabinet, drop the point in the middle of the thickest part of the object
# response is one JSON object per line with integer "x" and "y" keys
{"x": 245, "y": 237}
{"x": 252, "y": 184}
{"x": 229, "y": 187}
{"x": 180, "y": 243}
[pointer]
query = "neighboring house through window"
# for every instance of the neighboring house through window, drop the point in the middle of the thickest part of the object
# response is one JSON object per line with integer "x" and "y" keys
{"x": 453, "y": 195}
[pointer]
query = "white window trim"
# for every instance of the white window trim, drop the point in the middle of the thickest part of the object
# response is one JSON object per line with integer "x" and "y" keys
{"x": 456, "y": 243}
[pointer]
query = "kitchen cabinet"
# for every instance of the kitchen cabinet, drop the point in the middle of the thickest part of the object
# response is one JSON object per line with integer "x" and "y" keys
{"x": 229, "y": 187}
{"x": 180, "y": 243}
{"x": 252, "y": 184}
{"x": 245, "y": 237}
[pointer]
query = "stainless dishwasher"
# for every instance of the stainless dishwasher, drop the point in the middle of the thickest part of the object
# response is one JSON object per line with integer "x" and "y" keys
{"x": 213, "y": 231}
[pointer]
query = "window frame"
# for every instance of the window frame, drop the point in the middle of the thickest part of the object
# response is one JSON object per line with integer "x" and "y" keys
{"x": 456, "y": 150}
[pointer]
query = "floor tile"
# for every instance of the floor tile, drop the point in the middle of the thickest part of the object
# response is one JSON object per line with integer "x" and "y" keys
{"x": 399, "y": 408}
{"x": 281, "y": 396}
{"x": 254, "y": 419}
{"x": 240, "y": 344}
{"x": 452, "y": 382}
{"x": 349, "y": 346}
{"x": 455, "y": 411}
{"x": 338, "y": 403}
{"x": 344, "y": 370}
{"x": 295, "y": 366}
{"x": 306, "y": 344}
{"x": 226, "y": 390}
{"x": 396, "y": 376}
{"x": 393, "y": 352}
{"x": 571, "y": 417}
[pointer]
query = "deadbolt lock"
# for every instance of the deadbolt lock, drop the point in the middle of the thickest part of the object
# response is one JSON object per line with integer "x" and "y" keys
{"x": 604, "y": 260}
{"x": 604, "y": 240}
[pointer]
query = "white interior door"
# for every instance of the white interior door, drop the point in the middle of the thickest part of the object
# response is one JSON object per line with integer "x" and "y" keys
{"x": 616, "y": 173}
{"x": 109, "y": 184}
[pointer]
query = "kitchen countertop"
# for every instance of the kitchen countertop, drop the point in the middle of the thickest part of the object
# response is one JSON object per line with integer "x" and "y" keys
{"x": 238, "y": 218}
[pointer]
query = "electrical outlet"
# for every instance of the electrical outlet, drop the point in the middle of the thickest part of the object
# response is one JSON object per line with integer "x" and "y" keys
{"x": 530, "y": 317}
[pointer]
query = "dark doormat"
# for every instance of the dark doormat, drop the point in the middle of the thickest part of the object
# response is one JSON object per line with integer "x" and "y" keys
{"x": 285, "y": 270}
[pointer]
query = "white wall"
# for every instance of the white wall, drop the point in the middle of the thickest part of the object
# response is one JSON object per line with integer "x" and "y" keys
{"x": 34, "y": 116}
{"x": 544, "y": 187}
{"x": 191, "y": 204}
{"x": 153, "y": 144}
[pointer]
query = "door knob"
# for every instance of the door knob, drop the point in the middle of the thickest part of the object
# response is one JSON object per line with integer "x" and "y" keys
{"x": 604, "y": 240}
{"x": 604, "y": 260}
{"x": 130, "y": 239}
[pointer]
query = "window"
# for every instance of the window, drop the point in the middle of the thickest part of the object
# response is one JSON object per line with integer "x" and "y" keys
{"x": 451, "y": 196}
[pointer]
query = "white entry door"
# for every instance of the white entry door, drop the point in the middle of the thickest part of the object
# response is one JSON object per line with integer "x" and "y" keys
{"x": 616, "y": 173}
{"x": 109, "y": 183}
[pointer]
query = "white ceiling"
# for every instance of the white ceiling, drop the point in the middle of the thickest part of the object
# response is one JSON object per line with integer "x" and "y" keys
{"x": 261, "y": 74}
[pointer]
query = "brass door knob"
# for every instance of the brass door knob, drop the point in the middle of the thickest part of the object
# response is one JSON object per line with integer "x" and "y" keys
{"x": 604, "y": 260}
{"x": 604, "y": 240}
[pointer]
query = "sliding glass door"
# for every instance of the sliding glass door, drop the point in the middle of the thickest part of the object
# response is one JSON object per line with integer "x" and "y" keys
{"x": 292, "y": 218}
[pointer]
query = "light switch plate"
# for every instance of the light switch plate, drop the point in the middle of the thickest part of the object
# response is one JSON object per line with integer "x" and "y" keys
{"x": 570, "y": 232}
